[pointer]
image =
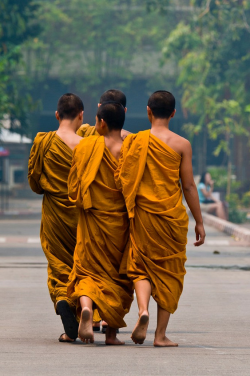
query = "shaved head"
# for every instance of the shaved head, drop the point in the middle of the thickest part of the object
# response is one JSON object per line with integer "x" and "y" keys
{"x": 162, "y": 104}
{"x": 113, "y": 113}
{"x": 115, "y": 96}
{"x": 69, "y": 106}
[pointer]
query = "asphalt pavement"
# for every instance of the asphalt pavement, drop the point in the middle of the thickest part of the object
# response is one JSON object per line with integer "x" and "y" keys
{"x": 211, "y": 324}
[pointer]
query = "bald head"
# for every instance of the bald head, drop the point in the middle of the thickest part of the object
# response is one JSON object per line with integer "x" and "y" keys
{"x": 162, "y": 104}
{"x": 69, "y": 106}
{"x": 114, "y": 96}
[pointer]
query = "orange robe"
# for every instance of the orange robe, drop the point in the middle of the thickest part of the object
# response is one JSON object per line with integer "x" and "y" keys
{"x": 102, "y": 233}
{"x": 86, "y": 130}
{"x": 149, "y": 177}
{"x": 49, "y": 166}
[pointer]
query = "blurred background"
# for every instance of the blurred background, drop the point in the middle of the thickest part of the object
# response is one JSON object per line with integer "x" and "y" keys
{"x": 197, "y": 49}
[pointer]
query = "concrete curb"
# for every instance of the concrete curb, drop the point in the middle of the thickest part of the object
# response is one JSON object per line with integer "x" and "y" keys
{"x": 19, "y": 212}
{"x": 228, "y": 227}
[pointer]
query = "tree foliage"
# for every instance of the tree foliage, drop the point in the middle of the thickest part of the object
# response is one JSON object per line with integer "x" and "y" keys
{"x": 16, "y": 26}
{"x": 87, "y": 44}
{"x": 212, "y": 57}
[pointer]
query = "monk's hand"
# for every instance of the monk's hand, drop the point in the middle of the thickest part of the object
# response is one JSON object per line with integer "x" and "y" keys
{"x": 123, "y": 136}
{"x": 200, "y": 234}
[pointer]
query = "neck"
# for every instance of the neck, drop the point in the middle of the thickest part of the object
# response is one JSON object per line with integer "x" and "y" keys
{"x": 160, "y": 123}
{"x": 114, "y": 135}
{"x": 68, "y": 126}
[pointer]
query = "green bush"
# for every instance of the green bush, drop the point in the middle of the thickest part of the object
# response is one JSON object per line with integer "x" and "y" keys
{"x": 246, "y": 200}
{"x": 234, "y": 214}
{"x": 219, "y": 175}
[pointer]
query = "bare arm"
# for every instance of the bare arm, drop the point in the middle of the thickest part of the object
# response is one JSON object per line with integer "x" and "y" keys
{"x": 190, "y": 192}
{"x": 124, "y": 134}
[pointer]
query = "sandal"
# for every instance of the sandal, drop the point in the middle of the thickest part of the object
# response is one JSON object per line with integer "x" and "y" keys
{"x": 68, "y": 319}
{"x": 60, "y": 339}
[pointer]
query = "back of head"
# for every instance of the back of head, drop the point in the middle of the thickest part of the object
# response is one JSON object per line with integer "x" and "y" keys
{"x": 69, "y": 106}
{"x": 115, "y": 96}
{"x": 162, "y": 104}
{"x": 113, "y": 114}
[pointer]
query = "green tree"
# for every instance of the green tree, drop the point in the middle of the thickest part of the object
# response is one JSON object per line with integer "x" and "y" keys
{"x": 16, "y": 26}
{"x": 212, "y": 56}
{"x": 89, "y": 45}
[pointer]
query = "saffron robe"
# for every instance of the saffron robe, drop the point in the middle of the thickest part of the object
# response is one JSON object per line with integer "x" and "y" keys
{"x": 48, "y": 170}
{"x": 149, "y": 178}
{"x": 102, "y": 233}
{"x": 86, "y": 130}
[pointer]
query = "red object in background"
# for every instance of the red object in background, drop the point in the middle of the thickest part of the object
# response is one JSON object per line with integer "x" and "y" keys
{"x": 4, "y": 152}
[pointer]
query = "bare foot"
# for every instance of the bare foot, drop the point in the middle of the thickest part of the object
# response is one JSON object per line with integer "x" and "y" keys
{"x": 164, "y": 342}
{"x": 111, "y": 338}
{"x": 85, "y": 332}
{"x": 140, "y": 329}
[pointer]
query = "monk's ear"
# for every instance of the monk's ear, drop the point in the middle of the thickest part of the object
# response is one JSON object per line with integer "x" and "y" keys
{"x": 149, "y": 111}
{"x": 99, "y": 104}
{"x": 103, "y": 124}
{"x": 173, "y": 113}
{"x": 81, "y": 115}
{"x": 125, "y": 109}
{"x": 57, "y": 115}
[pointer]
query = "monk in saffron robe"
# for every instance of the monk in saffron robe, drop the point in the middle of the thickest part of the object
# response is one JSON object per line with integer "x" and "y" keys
{"x": 103, "y": 228}
{"x": 150, "y": 168}
{"x": 49, "y": 166}
{"x": 87, "y": 130}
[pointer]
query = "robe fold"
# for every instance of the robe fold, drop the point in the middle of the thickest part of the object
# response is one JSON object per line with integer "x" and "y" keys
{"x": 86, "y": 130}
{"x": 149, "y": 177}
{"x": 48, "y": 170}
{"x": 102, "y": 233}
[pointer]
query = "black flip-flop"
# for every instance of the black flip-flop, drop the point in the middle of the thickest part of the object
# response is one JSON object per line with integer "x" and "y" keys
{"x": 104, "y": 329}
{"x": 60, "y": 339}
{"x": 69, "y": 321}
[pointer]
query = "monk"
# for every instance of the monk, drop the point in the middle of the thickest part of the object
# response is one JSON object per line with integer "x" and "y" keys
{"x": 87, "y": 130}
{"x": 103, "y": 228}
{"x": 109, "y": 95}
{"x": 49, "y": 166}
{"x": 150, "y": 168}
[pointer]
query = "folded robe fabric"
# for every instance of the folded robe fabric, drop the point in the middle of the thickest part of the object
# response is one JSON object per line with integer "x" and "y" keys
{"x": 102, "y": 233}
{"x": 48, "y": 170}
{"x": 149, "y": 178}
{"x": 86, "y": 130}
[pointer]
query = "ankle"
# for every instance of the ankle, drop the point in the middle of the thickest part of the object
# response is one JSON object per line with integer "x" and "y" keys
{"x": 160, "y": 334}
{"x": 110, "y": 332}
{"x": 143, "y": 312}
{"x": 86, "y": 307}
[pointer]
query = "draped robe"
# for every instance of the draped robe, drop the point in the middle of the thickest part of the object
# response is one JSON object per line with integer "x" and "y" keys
{"x": 48, "y": 170}
{"x": 102, "y": 233}
{"x": 86, "y": 130}
{"x": 149, "y": 178}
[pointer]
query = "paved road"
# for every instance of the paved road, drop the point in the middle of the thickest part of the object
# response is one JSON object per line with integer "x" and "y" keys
{"x": 211, "y": 324}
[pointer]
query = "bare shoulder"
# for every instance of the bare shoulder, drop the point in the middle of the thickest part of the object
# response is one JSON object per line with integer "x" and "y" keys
{"x": 180, "y": 144}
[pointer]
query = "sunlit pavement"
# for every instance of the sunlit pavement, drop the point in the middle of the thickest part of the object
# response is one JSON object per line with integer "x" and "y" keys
{"x": 211, "y": 324}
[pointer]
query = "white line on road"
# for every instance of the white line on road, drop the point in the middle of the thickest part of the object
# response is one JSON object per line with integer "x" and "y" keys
{"x": 2, "y": 240}
{"x": 33, "y": 240}
{"x": 217, "y": 242}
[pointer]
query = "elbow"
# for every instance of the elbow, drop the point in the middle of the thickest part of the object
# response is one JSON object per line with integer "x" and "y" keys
{"x": 187, "y": 188}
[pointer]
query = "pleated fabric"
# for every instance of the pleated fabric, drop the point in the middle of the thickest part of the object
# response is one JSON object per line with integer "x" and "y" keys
{"x": 48, "y": 170}
{"x": 86, "y": 130}
{"x": 149, "y": 177}
{"x": 102, "y": 234}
